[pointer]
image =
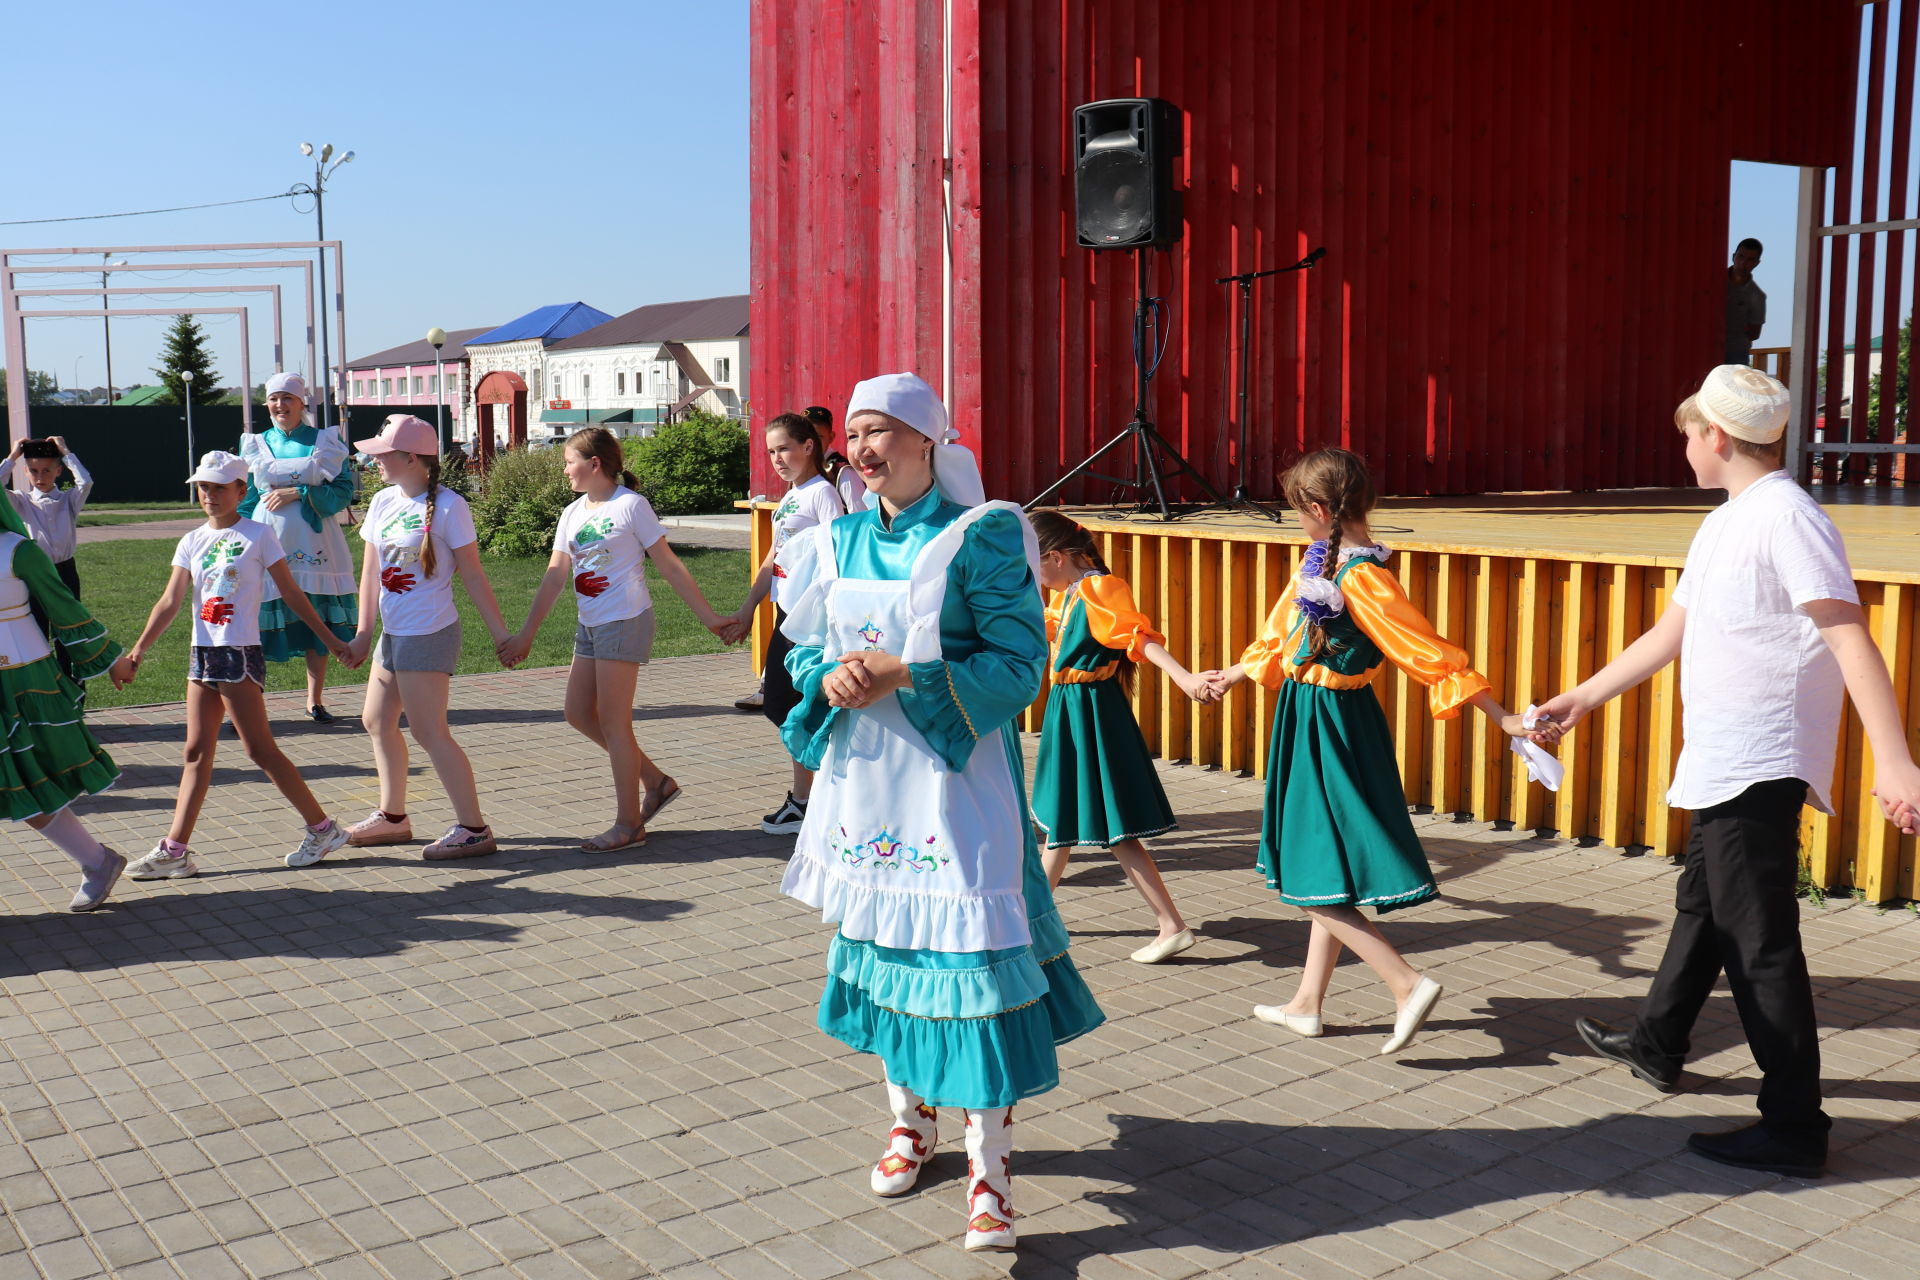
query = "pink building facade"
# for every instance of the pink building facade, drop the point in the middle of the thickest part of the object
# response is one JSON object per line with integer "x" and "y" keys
{"x": 408, "y": 376}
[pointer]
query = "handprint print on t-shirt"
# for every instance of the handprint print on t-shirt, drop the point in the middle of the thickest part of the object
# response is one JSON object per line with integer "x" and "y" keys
{"x": 591, "y": 555}
{"x": 396, "y": 557}
{"x": 219, "y": 580}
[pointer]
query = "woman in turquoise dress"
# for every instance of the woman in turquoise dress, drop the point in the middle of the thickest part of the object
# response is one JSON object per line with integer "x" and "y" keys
{"x": 52, "y": 758}
{"x": 300, "y": 482}
{"x": 918, "y": 639}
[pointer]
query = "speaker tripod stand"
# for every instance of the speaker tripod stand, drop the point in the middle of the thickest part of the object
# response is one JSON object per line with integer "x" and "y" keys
{"x": 1156, "y": 463}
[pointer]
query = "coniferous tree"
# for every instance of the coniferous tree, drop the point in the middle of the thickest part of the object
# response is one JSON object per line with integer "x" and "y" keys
{"x": 186, "y": 348}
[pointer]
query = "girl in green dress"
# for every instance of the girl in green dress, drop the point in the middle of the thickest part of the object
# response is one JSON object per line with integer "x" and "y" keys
{"x": 1094, "y": 782}
{"x": 52, "y": 760}
{"x": 1336, "y": 835}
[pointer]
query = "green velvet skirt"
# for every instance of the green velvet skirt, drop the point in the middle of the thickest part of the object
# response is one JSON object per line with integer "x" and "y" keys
{"x": 1094, "y": 781}
{"x": 1336, "y": 830}
{"x": 284, "y": 636}
{"x": 51, "y": 757}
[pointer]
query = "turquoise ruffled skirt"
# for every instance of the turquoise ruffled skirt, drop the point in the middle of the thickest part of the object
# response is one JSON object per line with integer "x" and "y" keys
{"x": 974, "y": 1029}
{"x": 284, "y": 636}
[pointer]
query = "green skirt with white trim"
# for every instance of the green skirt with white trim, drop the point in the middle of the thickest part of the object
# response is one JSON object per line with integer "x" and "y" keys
{"x": 51, "y": 758}
{"x": 1336, "y": 830}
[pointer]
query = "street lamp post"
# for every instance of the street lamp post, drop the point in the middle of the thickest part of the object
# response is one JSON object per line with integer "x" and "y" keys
{"x": 76, "y": 373}
{"x": 186, "y": 380}
{"x": 438, "y": 338}
{"x": 318, "y": 190}
{"x": 106, "y": 321}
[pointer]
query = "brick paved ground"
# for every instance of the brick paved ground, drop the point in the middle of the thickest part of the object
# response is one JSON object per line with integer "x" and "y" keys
{"x": 547, "y": 1064}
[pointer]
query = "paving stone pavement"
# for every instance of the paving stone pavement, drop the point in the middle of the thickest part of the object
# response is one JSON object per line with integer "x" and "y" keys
{"x": 551, "y": 1064}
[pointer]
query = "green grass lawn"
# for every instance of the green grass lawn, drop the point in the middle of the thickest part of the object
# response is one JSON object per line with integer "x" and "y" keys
{"x": 93, "y": 519}
{"x": 123, "y": 579}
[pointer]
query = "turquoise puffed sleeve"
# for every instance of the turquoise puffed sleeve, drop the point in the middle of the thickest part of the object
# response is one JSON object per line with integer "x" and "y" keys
{"x": 69, "y": 625}
{"x": 993, "y": 638}
{"x": 809, "y": 725}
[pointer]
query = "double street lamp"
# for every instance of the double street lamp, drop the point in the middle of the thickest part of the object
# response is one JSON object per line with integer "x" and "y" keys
{"x": 322, "y": 170}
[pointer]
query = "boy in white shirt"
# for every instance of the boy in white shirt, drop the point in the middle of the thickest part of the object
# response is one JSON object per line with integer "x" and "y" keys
{"x": 221, "y": 570}
{"x": 1770, "y": 632}
{"x": 52, "y": 514}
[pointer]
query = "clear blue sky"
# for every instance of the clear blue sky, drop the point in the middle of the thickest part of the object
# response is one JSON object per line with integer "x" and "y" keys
{"x": 507, "y": 156}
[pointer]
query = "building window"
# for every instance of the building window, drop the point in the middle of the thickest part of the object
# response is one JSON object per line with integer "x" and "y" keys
{"x": 619, "y": 384}
{"x": 386, "y": 387}
{"x": 586, "y": 384}
{"x": 433, "y": 383}
{"x": 417, "y": 385}
{"x": 723, "y": 369}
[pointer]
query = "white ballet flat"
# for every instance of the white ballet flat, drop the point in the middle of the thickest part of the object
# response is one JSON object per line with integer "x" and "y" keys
{"x": 1301, "y": 1024}
{"x": 1411, "y": 1018}
{"x": 1163, "y": 949}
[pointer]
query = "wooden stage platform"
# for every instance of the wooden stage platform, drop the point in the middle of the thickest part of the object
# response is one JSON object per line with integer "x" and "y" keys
{"x": 1541, "y": 589}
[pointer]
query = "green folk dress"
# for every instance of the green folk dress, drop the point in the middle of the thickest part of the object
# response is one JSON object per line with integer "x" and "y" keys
{"x": 51, "y": 758}
{"x": 1094, "y": 782}
{"x": 1335, "y": 830}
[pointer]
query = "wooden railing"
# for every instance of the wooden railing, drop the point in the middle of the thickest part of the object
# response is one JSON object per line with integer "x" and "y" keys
{"x": 1534, "y": 624}
{"x": 1777, "y": 361}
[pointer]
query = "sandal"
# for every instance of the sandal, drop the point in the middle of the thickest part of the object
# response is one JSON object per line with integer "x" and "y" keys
{"x": 658, "y": 800}
{"x": 607, "y": 842}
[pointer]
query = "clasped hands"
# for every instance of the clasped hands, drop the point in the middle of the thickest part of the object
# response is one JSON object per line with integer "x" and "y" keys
{"x": 864, "y": 677}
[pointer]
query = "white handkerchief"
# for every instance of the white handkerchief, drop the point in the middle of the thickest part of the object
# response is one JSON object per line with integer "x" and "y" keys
{"x": 1542, "y": 766}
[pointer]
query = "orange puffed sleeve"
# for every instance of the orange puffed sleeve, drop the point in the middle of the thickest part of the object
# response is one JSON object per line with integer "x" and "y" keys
{"x": 1263, "y": 660}
{"x": 1113, "y": 618}
{"x": 1381, "y": 609}
{"x": 1054, "y": 600}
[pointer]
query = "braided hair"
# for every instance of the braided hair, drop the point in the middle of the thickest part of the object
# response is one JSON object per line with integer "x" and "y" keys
{"x": 1055, "y": 532}
{"x": 1337, "y": 479}
{"x": 431, "y": 461}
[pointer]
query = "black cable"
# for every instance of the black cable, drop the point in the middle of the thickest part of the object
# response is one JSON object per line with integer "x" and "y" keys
{"x": 140, "y": 213}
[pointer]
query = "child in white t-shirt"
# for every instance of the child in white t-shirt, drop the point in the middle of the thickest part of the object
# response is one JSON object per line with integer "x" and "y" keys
{"x": 1769, "y": 629}
{"x": 222, "y": 569}
{"x": 419, "y": 537}
{"x": 603, "y": 542}
{"x": 798, "y": 454}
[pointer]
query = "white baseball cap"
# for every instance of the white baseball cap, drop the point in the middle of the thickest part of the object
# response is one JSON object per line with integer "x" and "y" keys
{"x": 219, "y": 467}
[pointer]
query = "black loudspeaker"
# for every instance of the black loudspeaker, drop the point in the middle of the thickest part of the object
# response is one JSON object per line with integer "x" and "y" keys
{"x": 1123, "y": 152}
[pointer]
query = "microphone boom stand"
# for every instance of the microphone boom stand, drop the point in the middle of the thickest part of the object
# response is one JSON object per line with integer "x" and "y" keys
{"x": 1241, "y": 497}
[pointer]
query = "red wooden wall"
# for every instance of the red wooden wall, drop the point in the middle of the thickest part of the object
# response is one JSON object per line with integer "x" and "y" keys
{"x": 1524, "y": 208}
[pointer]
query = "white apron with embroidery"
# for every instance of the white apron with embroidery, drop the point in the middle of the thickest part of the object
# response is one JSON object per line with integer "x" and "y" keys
{"x": 898, "y": 849}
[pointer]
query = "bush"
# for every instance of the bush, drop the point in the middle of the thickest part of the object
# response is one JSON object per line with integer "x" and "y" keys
{"x": 521, "y": 501}
{"x": 693, "y": 466}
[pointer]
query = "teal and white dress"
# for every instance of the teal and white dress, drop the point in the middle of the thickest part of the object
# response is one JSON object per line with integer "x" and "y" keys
{"x": 950, "y": 961}
{"x": 309, "y": 531}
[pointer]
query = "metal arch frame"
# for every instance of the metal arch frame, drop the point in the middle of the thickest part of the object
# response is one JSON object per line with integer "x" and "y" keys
{"x": 13, "y": 322}
{"x": 279, "y": 334}
{"x": 246, "y": 348}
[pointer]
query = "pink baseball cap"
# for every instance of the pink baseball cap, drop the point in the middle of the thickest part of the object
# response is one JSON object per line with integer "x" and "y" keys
{"x": 403, "y": 433}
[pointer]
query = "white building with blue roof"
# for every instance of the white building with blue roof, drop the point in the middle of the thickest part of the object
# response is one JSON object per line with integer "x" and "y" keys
{"x": 514, "y": 356}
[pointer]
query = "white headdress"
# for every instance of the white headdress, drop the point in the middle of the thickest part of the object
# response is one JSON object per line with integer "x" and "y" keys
{"x": 910, "y": 400}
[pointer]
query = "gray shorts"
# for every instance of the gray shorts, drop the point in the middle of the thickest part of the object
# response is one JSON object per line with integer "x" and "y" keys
{"x": 434, "y": 651}
{"x": 623, "y": 640}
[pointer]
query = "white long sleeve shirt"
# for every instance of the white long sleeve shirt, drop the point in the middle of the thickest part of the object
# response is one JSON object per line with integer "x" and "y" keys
{"x": 52, "y": 518}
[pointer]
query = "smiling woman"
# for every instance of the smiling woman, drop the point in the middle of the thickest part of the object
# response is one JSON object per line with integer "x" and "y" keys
{"x": 917, "y": 639}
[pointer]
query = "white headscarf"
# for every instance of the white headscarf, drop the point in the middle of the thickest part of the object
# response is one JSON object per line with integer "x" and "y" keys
{"x": 907, "y": 398}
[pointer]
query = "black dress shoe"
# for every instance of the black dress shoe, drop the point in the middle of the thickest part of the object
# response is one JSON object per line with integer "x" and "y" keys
{"x": 319, "y": 715}
{"x": 1754, "y": 1147}
{"x": 1609, "y": 1042}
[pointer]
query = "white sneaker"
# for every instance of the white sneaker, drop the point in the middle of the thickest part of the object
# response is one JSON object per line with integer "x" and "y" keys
{"x": 318, "y": 844}
{"x": 161, "y": 865}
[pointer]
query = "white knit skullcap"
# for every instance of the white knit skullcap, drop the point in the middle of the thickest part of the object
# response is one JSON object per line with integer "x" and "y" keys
{"x": 1744, "y": 402}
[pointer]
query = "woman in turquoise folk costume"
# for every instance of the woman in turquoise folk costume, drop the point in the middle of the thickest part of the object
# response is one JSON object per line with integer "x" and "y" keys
{"x": 918, "y": 637}
{"x": 298, "y": 485}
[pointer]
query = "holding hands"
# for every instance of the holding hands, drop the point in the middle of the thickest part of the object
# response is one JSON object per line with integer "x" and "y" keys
{"x": 513, "y": 650}
{"x": 123, "y": 671}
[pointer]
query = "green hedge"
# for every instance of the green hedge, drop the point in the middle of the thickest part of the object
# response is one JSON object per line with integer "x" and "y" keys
{"x": 692, "y": 466}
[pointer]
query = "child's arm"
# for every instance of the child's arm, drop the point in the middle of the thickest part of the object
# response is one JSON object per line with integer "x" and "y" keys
{"x": 743, "y": 616}
{"x": 683, "y": 584}
{"x": 82, "y": 482}
{"x": 369, "y": 606}
{"x": 1195, "y": 687}
{"x": 1657, "y": 646}
{"x": 466, "y": 561}
{"x": 303, "y": 609}
{"x": 165, "y": 610}
{"x": 1896, "y": 779}
{"x": 514, "y": 649}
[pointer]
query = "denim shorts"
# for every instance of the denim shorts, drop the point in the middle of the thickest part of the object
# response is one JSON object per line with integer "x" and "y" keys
{"x": 434, "y": 651}
{"x": 227, "y": 664}
{"x": 622, "y": 640}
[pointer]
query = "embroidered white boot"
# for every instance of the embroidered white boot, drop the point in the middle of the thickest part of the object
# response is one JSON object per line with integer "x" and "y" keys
{"x": 990, "y": 1179}
{"x": 909, "y": 1145}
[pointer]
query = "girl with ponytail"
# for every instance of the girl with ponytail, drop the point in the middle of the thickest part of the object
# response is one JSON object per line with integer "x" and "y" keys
{"x": 1095, "y": 782}
{"x": 601, "y": 547}
{"x": 1336, "y": 836}
{"x": 419, "y": 537}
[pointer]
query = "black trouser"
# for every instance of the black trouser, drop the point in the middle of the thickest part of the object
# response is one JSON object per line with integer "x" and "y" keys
{"x": 69, "y": 574}
{"x": 1736, "y": 910}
